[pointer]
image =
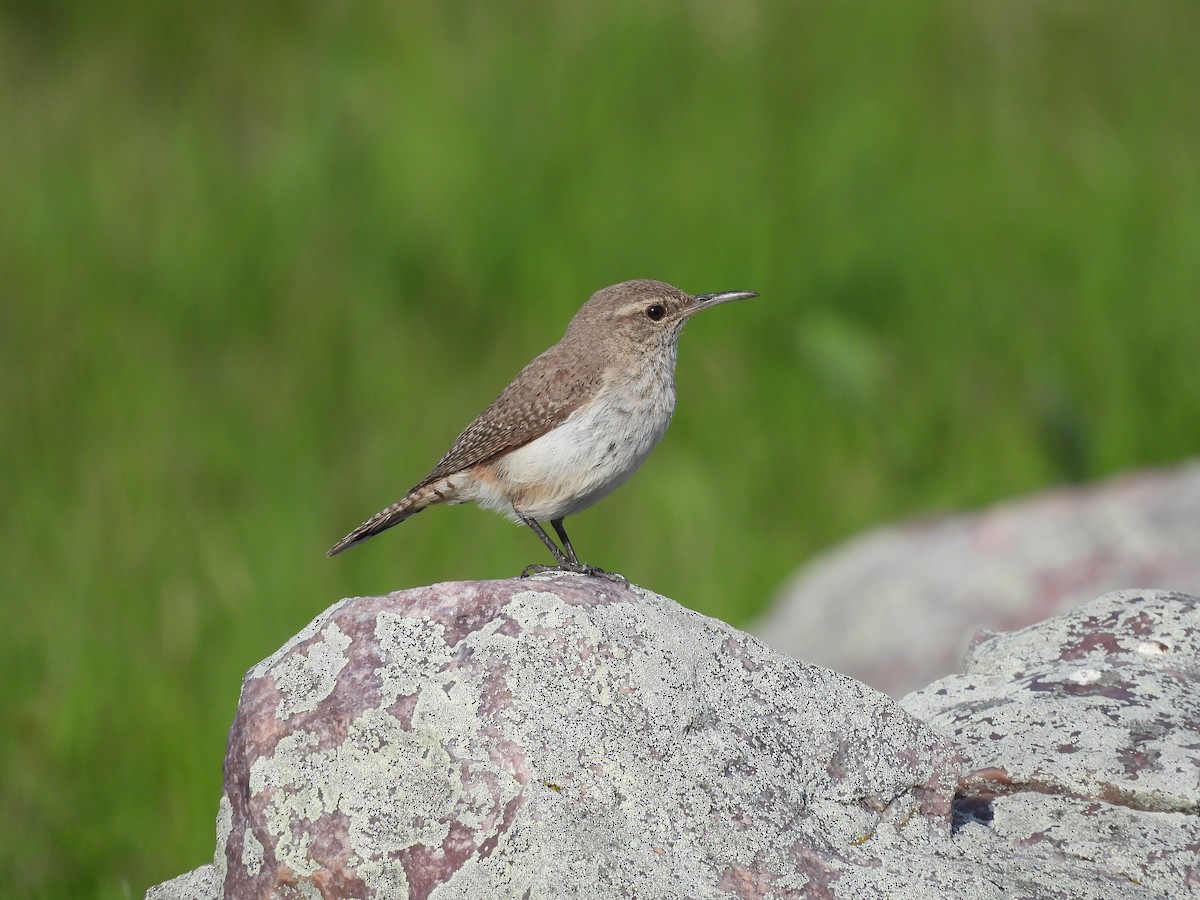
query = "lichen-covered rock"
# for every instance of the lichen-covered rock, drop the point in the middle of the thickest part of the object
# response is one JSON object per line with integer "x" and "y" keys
{"x": 1082, "y": 734}
{"x": 568, "y": 737}
{"x": 559, "y": 738}
{"x": 203, "y": 883}
{"x": 897, "y": 607}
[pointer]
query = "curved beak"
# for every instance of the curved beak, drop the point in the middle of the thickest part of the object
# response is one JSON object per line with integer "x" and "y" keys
{"x": 703, "y": 301}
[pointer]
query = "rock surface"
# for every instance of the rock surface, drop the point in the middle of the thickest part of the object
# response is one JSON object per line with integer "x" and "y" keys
{"x": 1086, "y": 732}
{"x": 568, "y": 737}
{"x": 897, "y": 607}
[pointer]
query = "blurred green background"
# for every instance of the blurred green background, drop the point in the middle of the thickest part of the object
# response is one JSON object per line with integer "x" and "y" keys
{"x": 260, "y": 262}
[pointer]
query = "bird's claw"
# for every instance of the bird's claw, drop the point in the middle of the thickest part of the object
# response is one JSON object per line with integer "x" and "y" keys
{"x": 593, "y": 571}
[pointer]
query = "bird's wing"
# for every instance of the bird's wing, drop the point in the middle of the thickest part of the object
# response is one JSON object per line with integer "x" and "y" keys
{"x": 541, "y": 397}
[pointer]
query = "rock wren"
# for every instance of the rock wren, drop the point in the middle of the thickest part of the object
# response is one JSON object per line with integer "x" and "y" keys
{"x": 574, "y": 424}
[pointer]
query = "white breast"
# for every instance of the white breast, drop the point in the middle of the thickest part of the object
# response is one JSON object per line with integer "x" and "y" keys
{"x": 587, "y": 457}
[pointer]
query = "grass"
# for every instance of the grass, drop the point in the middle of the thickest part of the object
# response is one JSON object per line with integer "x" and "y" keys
{"x": 261, "y": 262}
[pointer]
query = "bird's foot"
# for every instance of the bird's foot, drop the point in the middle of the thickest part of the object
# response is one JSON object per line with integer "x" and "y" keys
{"x": 597, "y": 572}
{"x": 580, "y": 569}
{"x": 536, "y": 569}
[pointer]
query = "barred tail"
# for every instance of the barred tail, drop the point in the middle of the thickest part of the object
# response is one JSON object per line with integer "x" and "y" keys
{"x": 416, "y": 500}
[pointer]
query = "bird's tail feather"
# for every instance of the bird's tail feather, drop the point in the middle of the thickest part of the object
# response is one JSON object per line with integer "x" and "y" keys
{"x": 413, "y": 502}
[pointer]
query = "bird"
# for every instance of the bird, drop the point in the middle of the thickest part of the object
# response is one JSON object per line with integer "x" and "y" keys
{"x": 573, "y": 425}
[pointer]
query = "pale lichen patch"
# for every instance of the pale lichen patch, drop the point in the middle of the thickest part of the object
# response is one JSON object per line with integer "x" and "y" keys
{"x": 538, "y": 609}
{"x": 224, "y": 830}
{"x": 252, "y": 852}
{"x": 601, "y": 685}
{"x": 396, "y": 788}
{"x": 399, "y": 787}
{"x": 305, "y": 634}
{"x": 384, "y": 878}
{"x": 305, "y": 679}
{"x": 289, "y": 773}
{"x": 411, "y": 650}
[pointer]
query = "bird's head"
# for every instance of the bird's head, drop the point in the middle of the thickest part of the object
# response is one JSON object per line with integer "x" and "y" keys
{"x": 643, "y": 312}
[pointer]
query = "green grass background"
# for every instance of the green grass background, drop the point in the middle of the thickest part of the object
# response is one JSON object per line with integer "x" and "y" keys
{"x": 260, "y": 262}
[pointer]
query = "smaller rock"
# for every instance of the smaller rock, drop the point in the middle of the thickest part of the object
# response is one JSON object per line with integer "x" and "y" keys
{"x": 1082, "y": 735}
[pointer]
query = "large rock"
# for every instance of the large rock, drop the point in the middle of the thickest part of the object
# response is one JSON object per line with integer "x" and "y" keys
{"x": 897, "y": 607}
{"x": 568, "y": 737}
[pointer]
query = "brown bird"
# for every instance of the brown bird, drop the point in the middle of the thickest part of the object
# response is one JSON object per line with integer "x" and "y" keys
{"x": 575, "y": 423}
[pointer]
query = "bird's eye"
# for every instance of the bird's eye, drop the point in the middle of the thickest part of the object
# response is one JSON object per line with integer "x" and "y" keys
{"x": 655, "y": 312}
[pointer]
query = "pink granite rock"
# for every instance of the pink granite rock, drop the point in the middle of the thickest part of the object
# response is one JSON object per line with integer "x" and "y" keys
{"x": 515, "y": 738}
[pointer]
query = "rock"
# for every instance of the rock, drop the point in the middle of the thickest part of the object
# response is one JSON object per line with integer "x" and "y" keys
{"x": 567, "y": 737}
{"x": 203, "y": 883}
{"x": 897, "y": 607}
{"x": 558, "y": 738}
{"x": 1083, "y": 733}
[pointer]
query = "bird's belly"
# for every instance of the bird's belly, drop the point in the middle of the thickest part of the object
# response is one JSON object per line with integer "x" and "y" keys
{"x": 583, "y": 460}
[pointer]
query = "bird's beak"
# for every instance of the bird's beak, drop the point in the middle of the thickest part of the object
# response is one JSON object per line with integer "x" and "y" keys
{"x": 703, "y": 301}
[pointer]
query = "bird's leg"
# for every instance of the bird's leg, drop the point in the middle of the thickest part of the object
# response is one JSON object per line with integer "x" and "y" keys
{"x": 568, "y": 561}
{"x": 570, "y": 565}
{"x": 581, "y": 567}
{"x": 562, "y": 534}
